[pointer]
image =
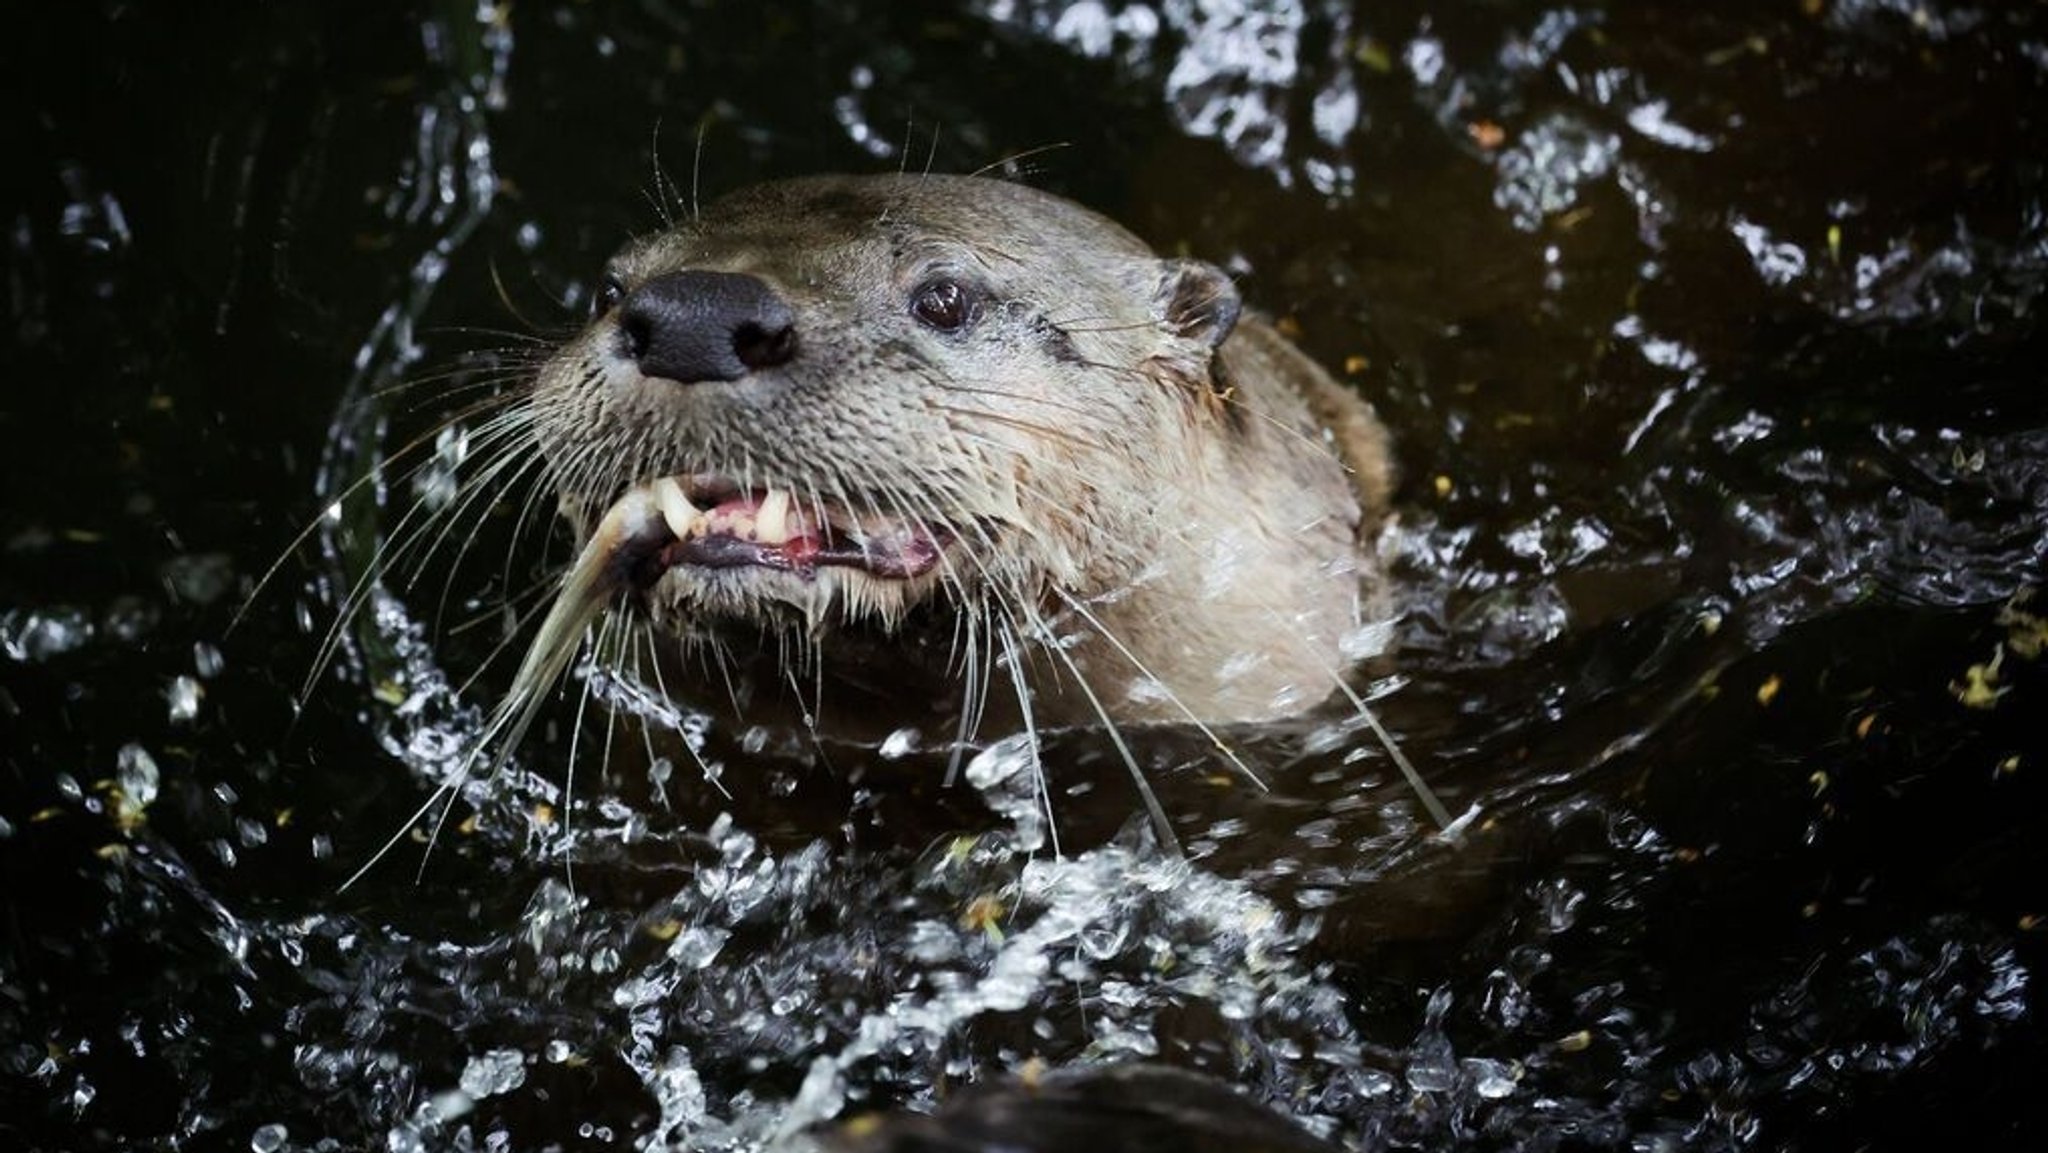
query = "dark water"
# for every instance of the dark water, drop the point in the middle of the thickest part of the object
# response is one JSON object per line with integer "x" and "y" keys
{"x": 1711, "y": 338}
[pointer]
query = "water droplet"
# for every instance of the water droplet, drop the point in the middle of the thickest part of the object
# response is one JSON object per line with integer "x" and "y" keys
{"x": 1491, "y": 1079}
{"x": 697, "y": 947}
{"x": 34, "y": 637}
{"x": 136, "y": 772}
{"x": 492, "y": 1073}
{"x": 198, "y": 578}
{"x": 206, "y": 660}
{"x": 184, "y": 696}
{"x": 899, "y": 744}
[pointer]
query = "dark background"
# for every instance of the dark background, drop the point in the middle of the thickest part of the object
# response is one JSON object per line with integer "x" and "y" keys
{"x": 1710, "y": 336}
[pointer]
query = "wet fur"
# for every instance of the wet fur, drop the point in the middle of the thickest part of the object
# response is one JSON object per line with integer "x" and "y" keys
{"x": 1162, "y": 503}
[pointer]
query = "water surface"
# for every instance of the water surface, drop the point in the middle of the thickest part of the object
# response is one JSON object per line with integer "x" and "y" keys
{"x": 1711, "y": 343}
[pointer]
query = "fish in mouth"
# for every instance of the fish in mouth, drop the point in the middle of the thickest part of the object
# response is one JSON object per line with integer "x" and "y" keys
{"x": 700, "y": 528}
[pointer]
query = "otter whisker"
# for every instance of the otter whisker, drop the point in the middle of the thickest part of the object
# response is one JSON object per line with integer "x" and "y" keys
{"x": 628, "y": 666}
{"x": 661, "y": 181}
{"x": 505, "y": 298}
{"x": 697, "y": 160}
{"x": 1015, "y": 396}
{"x": 973, "y": 688}
{"x": 1015, "y": 158}
{"x": 498, "y": 429}
{"x": 1022, "y": 425}
{"x": 404, "y": 545}
{"x": 722, "y": 659}
{"x": 510, "y": 639}
{"x": 515, "y": 603}
{"x": 360, "y": 591}
{"x": 569, "y": 788}
{"x": 502, "y": 384}
{"x": 629, "y": 647}
{"x": 489, "y": 486}
{"x": 1086, "y": 327}
{"x": 1173, "y": 697}
{"x": 816, "y": 657}
{"x": 1423, "y": 793}
{"x": 348, "y": 492}
{"x": 1160, "y": 824}
{"x": 1013, "y": 661}
{"x": 1229, "y": 399}
{"x": 606, "y": 638}
{"x": 534, "y": 345}
{"x": 405, "y": 827}
{"x": 810, "y": 711}
{"x": 697, "y": 755}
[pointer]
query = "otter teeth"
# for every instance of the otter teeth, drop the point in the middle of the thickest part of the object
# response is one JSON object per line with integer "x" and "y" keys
{"x": 773, "y": 522}
{"x": 676, "y": 509}
{"x": 771, "y": 519}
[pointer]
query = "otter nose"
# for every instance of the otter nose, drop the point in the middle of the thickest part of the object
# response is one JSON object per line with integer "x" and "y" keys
{"x": 691, "y": 327}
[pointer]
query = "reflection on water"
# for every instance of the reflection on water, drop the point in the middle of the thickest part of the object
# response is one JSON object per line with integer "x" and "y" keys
{"x": 1711, "y": 344}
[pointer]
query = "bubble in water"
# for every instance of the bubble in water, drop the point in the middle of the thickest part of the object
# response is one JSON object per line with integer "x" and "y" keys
{"x": 550, "y": 914}
{"x": 899, "y": 744}
{"x": 184, "y": 696}
{"x": 1491, "y": 1079}
{"x": 1654, "y": 121}
{"x": 442, "y": 1108}
{"x": 268, "y": 1139}
{"x": 1008, "y": 776}
{"x": 498, "y": 1071}
{"x": 199, "y": 578}
{"x": 137, "y": 774}
{"x": 1367, "y": 641}
{"x": 821, "y": 1097}
{"x": 1432, "y": 1072}
{"x": 33, "y": 637}
{"x": 680, "y": 1092}
{"x": 438, "y": 481}
{"x": 1543, "y": 173}
{"x": 697, "y": 947}
{"x": 658, "y": 776}
{"x": 1371, "y": 1083}
{"x": 1778, "y": 262}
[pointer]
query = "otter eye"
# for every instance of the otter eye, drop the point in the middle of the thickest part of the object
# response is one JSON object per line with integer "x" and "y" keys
{"x": 608, "y": 296}
{"x": 944, "y": 305}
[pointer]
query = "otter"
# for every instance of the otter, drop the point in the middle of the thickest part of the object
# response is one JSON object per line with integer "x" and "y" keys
{"x": 955, "y": 435}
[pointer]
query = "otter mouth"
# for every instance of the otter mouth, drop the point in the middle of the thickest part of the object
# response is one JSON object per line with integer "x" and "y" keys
{"x": 705, "y": 523}
{"x": 707, "y": 527}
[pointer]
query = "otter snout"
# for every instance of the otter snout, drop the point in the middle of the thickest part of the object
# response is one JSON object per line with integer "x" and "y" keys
{"x": 694, "y": 327}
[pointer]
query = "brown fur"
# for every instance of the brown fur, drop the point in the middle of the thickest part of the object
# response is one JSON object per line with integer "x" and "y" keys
{"x": 1080, "y": 438}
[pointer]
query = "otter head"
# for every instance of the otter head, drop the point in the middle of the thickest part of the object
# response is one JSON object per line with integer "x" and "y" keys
{"x": 913, "y": 407}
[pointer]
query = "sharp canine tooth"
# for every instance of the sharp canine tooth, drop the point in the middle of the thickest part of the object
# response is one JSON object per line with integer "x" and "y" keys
{"x": 676, "y": 508}
{"x": 771, "y": 520}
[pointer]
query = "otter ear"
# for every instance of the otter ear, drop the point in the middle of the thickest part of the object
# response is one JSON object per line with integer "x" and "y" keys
{"x": 1196, "y": 301}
